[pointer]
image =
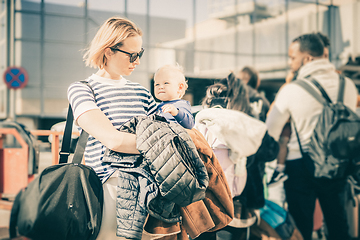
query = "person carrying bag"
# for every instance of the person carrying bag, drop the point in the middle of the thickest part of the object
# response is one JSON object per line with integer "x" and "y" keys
{"x": 65, "y": 202}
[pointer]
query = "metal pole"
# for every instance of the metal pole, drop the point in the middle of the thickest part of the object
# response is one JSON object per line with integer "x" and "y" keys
{"x": 10, "y": 32}
{"x": 42, "y": 41}
{"x": 194, "y": 35}
{"x": 10, "y": 55}
{"x": 236, "y": 39}
{"x": 126, "y": 9}
{"x": 330, "y": 32}
{"x": 254, "y": 34}
{"x": 86, "y": 25}
{"x": 286, "y": 34}
{"x": 317, "y": 15}
{"x": 148, "y": 39}
{"x": 355, "y": 28}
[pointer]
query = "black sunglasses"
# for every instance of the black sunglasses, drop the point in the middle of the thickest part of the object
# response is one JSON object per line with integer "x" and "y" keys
{"x": 133, "y": 56}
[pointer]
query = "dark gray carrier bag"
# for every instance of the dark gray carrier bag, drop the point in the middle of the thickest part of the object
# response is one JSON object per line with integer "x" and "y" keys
{"x": 335, "y": 142}
{"x": 64, "y": 202}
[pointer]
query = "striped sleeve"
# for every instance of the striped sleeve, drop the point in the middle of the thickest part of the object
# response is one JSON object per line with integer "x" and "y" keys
{"x": 81, "y": 99}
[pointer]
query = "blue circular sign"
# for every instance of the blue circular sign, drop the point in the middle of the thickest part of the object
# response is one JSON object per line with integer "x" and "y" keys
{"x": 15, "y": 77}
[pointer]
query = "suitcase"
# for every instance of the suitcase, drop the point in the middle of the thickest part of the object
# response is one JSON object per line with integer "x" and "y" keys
{"x": 352, "y": 200}
{"x": 318, "y": 220}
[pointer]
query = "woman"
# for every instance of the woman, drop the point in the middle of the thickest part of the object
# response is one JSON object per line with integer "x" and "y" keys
{"x": 115, "y": 50}
{"x": 258, "y": 102}
{"x": 242, "y": 146}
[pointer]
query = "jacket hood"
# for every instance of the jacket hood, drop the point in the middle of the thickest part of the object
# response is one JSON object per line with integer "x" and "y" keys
{"x": 241, "y": 133}
{"x": 315, "y": 67}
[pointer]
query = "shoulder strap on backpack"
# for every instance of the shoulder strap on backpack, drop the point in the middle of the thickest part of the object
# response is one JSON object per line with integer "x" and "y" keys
{"x": 341, "y": 89}
{"x": 311, "y": 90}
{"x": 323, "y": 92}
{"x": 298, "y": 139}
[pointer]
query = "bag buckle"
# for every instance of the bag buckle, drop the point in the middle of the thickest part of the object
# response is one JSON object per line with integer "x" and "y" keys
{"x": 64, "y": 153}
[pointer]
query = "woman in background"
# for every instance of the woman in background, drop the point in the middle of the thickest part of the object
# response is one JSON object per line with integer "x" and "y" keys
{"x": 242, "y": 146}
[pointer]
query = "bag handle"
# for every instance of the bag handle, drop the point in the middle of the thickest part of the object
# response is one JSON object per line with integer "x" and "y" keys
{"x": 81, "y": 144}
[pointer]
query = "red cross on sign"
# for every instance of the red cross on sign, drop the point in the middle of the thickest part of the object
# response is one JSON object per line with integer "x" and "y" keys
{"x": 15, "y": 77}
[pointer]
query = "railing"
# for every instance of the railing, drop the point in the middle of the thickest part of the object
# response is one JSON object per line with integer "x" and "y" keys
{"x": 15, "y": 160}
{"x": 55, "y": 146}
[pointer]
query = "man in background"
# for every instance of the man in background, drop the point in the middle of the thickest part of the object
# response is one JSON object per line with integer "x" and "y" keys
{"x": 306, "y": 55}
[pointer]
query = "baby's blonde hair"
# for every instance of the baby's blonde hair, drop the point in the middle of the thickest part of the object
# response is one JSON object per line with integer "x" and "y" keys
{"x": 111, "y": 34}
{"x": 180, "y": 70}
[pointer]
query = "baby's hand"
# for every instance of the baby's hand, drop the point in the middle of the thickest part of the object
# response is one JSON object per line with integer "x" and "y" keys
{"x": 169, "y": 108}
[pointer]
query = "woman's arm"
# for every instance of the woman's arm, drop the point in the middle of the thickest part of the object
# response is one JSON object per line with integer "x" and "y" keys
{"x": 99, "y": 126}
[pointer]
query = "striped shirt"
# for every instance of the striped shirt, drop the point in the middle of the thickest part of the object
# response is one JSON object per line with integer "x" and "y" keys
{"x": 119, "y": 100}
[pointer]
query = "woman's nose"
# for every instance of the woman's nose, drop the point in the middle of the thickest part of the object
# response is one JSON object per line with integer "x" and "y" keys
{"x": 137, "y": 61}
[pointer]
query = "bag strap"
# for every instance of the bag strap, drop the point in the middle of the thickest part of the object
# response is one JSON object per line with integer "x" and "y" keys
{"x": 341, "y": 89}
{"x": 304, "y": 84}
{"x": 65, "y": 146}
{"x": 80, "y": 147}
{"x": 340, "y": 93}
{"x": 323, "y": 92}
{"x": 81, "y": 144}
{"x": 315, "y": 94}
{"x": 298, "y": 139}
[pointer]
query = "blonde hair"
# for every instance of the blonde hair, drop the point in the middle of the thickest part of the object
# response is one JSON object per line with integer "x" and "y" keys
{"x": 180, "y": 70}
{"x": 111, "y": 34}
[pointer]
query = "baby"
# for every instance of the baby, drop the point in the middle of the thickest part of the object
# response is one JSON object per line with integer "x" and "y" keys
{"x": 170, "y": 86}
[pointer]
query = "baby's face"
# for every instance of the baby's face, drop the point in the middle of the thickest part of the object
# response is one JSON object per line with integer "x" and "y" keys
{"x": 166, "y": 85}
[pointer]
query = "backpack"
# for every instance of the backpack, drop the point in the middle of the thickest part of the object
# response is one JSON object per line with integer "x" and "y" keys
{"x": 335, "y": 141}
{"x": 65, "y": 202}
{"x": 30, "y": 139}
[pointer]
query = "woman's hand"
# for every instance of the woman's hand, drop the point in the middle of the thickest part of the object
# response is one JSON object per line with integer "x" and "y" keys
{"x": 99, "y": 126}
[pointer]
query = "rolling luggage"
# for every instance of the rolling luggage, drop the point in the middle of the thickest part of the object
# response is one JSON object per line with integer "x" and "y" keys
{"x": 352, "y": 201}
{"x": 318, "y": 219}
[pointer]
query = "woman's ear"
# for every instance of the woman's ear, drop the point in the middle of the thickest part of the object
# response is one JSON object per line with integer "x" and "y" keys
{"x": 108, "y": 53}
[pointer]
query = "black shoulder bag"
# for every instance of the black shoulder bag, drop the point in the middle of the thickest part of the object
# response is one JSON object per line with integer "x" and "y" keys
{"x": 64, "y": 202}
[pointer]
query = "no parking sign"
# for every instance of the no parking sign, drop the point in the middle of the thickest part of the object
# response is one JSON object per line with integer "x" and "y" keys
{"x": 15, "y": 77}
